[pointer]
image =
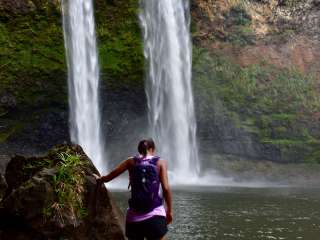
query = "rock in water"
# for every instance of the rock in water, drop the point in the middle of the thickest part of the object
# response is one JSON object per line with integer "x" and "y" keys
{"x": 56, "y": 197}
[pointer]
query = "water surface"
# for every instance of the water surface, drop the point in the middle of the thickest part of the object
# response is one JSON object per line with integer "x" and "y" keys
{"x": 243, "y": 213}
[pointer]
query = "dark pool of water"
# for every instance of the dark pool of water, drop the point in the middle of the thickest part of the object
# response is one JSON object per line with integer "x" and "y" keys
{"x": 242, "y": 213}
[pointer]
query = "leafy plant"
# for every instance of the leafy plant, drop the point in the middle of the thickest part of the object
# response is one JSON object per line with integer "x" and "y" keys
{"x": 68, "y": 187}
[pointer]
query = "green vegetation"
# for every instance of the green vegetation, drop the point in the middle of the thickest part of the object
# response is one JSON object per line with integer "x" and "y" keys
{"x": 290, "y": 3}
{"x": 4, "y": 135}
{"x": 238, "y": 26}
{"x": 239, "y": 16}
{"x": 33, "y": 72}
{"x": 32, "y": 67}
{"x": 32, "y": 58}
{"x": 31, "y": 52}
{"x": 120, "y": 43}
{"x": 68, "y": 187}
{"x": 242, "y": 169}
{"x": 314, "y": 157}
{"x": 277, "y": 106}
{"x": 34, "y": 165}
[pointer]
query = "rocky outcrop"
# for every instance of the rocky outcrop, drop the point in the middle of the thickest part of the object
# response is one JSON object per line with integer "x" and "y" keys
{"x": 56, "y": 196}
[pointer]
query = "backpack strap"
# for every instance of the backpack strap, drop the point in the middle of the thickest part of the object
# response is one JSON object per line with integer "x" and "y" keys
{"x": 137, "y": 159}
{"x": 154, "y": 160}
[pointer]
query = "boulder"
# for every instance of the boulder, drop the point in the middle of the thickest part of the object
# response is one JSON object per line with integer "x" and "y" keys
{"x": 56, "y": 197}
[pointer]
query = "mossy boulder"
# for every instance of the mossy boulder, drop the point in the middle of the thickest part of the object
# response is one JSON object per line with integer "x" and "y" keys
{"x": 56, "y": 196}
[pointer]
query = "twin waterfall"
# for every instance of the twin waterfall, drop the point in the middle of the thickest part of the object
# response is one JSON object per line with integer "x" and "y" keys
{"x": 83, "y": 79}
{"x": 168, "y": 50}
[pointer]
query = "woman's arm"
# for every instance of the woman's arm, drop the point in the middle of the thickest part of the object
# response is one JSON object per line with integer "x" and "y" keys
{"x": 166, "y": 189}
{"x": 116, "y": 172}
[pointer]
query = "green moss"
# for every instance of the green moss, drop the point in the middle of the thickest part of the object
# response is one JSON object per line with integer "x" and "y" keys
{"x": 314, "y": 157}
{"x": 9, "y": 131}
{"x": 34, "y": 165}
{"x": 276, "y": 106}
{"x": 31, "y": 48}
{"x": 32, "y": 58}
{"x": 249, "y": 125}
{"x": 6, "y": 134}
{"x": 238, "y": 15}
{"x": 237, "y": 26}
{"x": 259, "y": 88}
{"x": 32, "y": 67}
{"x": 120, "y": 43}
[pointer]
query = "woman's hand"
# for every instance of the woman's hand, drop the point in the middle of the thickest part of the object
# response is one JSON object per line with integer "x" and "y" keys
{"x": 98, "y": 179}
{"x": 169, "y": 217}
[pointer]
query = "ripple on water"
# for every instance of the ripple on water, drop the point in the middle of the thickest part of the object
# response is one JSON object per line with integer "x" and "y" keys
{"x": 229, "y": 213}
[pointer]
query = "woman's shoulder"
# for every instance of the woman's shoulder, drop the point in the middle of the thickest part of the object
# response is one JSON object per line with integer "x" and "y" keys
{"x": 162, "y": 162}
{"x": 129, "y": 161}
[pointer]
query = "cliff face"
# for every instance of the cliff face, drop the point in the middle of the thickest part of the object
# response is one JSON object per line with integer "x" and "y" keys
{"x": 33, "y": 76}
{"x": 255, "y": 76}
{"x": 54, "y": 197}
{"x": 282, "y": 33}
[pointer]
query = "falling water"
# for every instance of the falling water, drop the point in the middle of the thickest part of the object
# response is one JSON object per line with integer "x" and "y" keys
{"x": 168, "y": 49}
{"x": 83, "y": 78}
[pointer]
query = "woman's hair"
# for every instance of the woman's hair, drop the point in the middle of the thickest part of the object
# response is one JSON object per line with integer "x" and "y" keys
{"x": 144, "y": 145}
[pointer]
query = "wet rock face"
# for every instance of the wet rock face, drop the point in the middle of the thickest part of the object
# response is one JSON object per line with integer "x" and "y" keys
{"x": 3, "y": 186}
{"x": 25, "y": 6}
{"x": 275, "y": 26}
{"x": 17, "y": 6}
{"x": 282, "y": 35}
{"x": 8, "y": 101}
{"x": 41, "y": 89}
{"x": 4, "y": 159}
{"x": 34, "y": 208}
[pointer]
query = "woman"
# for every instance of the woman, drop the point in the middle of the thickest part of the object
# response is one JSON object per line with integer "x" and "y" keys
{"x": 146, "y": 215}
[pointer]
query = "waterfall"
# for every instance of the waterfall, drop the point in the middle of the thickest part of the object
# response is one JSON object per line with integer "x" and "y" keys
{"x": 168, "y": 50}
{"x": 83, "y": 78}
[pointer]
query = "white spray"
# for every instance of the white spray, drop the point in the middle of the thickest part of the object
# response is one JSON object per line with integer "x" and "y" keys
{"x": 83, "y": 78}
{"x": 168, "y": 50}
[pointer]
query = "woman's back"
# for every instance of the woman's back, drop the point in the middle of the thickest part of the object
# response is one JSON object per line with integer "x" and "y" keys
{"x": 146, "y": 215}
{"x": 145, "y": 184}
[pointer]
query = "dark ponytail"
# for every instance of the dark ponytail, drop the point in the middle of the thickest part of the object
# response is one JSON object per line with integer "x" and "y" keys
{"x": 144, "y": 145}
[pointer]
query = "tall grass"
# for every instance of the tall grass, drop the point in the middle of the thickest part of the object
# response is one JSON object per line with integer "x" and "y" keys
{"x": 68, "y": 187}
